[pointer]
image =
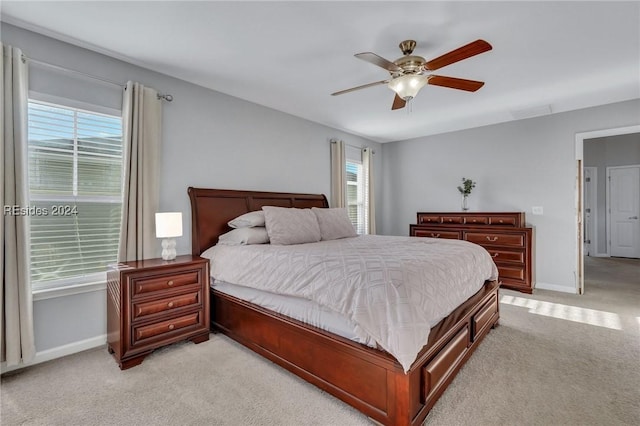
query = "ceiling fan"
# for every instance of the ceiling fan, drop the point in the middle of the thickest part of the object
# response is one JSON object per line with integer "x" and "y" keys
{"x": 410, "y": 72}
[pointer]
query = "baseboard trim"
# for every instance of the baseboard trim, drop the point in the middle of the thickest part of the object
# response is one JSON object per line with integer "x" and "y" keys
{"x": 599, "y": 255}
{"x": 556, "y": 287}
{"x": 59, "y": 352}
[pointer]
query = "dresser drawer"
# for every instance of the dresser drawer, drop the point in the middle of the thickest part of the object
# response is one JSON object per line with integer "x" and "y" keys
{"x": 504, "y": 220}
{"x": 164, "y": 282}
{"x": 515, "y": 256}
{"x": 161, "y": 329}
{"x": 143, "y": 309}
{"x": 452, "y": 219}
{"x": 436, "y": 233}
{"x": 476, "y": 220}
{"x": 424, "y": 218}
{"x": 498, "y": 239}
{"x": 511, "y": 272}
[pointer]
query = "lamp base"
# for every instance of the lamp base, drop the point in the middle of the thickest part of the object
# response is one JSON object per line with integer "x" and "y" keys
{"x": 168, "y": 249}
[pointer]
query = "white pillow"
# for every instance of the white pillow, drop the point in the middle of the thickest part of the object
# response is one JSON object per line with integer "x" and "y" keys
{"x": 334, "y": 223}
{"x": 244, "y": 236}
{"x": 248, "y": 220}
{"x": 291, "y": 226}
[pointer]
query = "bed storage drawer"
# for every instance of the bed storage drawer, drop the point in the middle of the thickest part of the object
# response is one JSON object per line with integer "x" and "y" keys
{"x": 442, "y": 365}
{"x": 483, "y": 318}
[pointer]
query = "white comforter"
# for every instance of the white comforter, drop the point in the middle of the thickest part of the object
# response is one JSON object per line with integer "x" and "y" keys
{"x": 394, "y": 288}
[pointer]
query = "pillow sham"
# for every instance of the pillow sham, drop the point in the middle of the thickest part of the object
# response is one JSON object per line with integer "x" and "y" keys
{"x": 248, "y": 220}
{"x": 334, "y": 223}
{"x": 287, "y": 226}
{"x": 244, "y": 236}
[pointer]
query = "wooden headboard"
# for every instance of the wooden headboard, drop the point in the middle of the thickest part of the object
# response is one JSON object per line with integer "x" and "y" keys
{"x": 211, "y": 209}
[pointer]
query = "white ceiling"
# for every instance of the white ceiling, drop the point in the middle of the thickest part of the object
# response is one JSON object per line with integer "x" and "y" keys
{"x": 291, "y": 55}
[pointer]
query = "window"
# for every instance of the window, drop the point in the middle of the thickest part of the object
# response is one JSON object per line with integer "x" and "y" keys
{"x": 355, "y": 196}
{"x": 75, "y": 184}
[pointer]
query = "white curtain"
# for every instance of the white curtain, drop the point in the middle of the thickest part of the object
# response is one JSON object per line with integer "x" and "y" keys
{"x": 142, "y": 129}
{"x": 338, "y": 174}
{"x": 369, "y": 201}
{"x": 16, "y": 317}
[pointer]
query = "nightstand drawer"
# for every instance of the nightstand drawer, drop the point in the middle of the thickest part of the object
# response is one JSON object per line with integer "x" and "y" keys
{"x": 142, "y": 309}
{"x": 487, "y": 238}
{"x": 173, "y": 325}
{"x": 164, "y": 282}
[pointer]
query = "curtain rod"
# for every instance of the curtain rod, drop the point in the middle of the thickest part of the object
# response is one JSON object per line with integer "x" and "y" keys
{"x": 166, "y": 97}
{"x": 373, "y": 151}
{"x": 64, "y": 69}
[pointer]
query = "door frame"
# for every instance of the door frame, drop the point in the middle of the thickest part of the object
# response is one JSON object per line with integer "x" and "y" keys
{"x": 579, "y": 194}
{"x": 608, "y": 206}
{"x": 593, "y": 229}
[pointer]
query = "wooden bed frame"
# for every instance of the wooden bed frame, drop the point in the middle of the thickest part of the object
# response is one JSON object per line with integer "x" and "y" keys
{"x": 368, "y": 379}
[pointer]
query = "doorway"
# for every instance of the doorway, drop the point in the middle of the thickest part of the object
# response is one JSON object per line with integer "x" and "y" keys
{"x": 599, "y": 236}
{"x": 623, "y": 206}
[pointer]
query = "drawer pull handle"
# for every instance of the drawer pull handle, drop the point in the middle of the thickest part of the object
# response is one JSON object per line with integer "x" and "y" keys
{"x": 171, "y": 326}
{"x": 170, "y": 283}
{"x": 495, "y": 254}
{"x": 170, "y": 304}
{"x": 450, "y": 220}
{"x": 492, "y": 239}
{"x": 501, "y": 221}
{"x": 435, "y": 235}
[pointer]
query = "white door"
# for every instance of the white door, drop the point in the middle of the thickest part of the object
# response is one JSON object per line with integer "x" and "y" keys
{"x": 589, "y": 186}
{"x": 624, "y": 208}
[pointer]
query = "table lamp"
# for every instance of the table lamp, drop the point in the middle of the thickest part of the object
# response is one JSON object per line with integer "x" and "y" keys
{"x": 168, "y": 226}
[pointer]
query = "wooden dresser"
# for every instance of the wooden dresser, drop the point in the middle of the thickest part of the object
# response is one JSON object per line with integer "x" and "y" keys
{"x": 504, "y": 235}
{"x": 155, "y": 302}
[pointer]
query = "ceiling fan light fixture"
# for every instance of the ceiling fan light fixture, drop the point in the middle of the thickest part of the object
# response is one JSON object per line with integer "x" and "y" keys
{"x": 408, "y": 86}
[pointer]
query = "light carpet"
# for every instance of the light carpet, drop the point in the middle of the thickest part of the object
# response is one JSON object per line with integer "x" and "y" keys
{"x": 556, "y": 359}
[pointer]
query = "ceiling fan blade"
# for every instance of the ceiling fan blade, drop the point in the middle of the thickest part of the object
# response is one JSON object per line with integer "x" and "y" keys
{"x": 378, "y": 60}
{"x": 464, "y": 52}
{"x": 364, "y": 86}
{"x": 398, "y": 103}
{"x": 455, "y": 83}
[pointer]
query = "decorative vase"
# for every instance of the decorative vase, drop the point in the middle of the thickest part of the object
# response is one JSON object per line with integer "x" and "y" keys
{"x": 465, "y": 205}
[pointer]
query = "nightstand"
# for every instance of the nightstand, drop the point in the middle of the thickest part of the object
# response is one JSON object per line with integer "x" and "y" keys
{"x": 153, "y": 303}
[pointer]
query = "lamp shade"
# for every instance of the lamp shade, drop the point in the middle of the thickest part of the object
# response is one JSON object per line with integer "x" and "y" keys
{"x": 408, "y": 86}
{"x": 168, "y": 225}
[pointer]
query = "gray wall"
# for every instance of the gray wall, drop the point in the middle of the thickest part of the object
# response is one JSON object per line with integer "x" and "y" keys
{"x": 210, "y": 140}
{"x": 517, "y": 165}
{"x": 621, "y": 150}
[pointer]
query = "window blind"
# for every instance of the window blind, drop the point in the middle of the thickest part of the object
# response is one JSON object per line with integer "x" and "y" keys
{"x": 75, "y": 183}
{"x": 355, "y": 196}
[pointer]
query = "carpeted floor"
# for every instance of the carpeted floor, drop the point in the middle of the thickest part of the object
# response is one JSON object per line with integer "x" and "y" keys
{"x": 556, "y": 359}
